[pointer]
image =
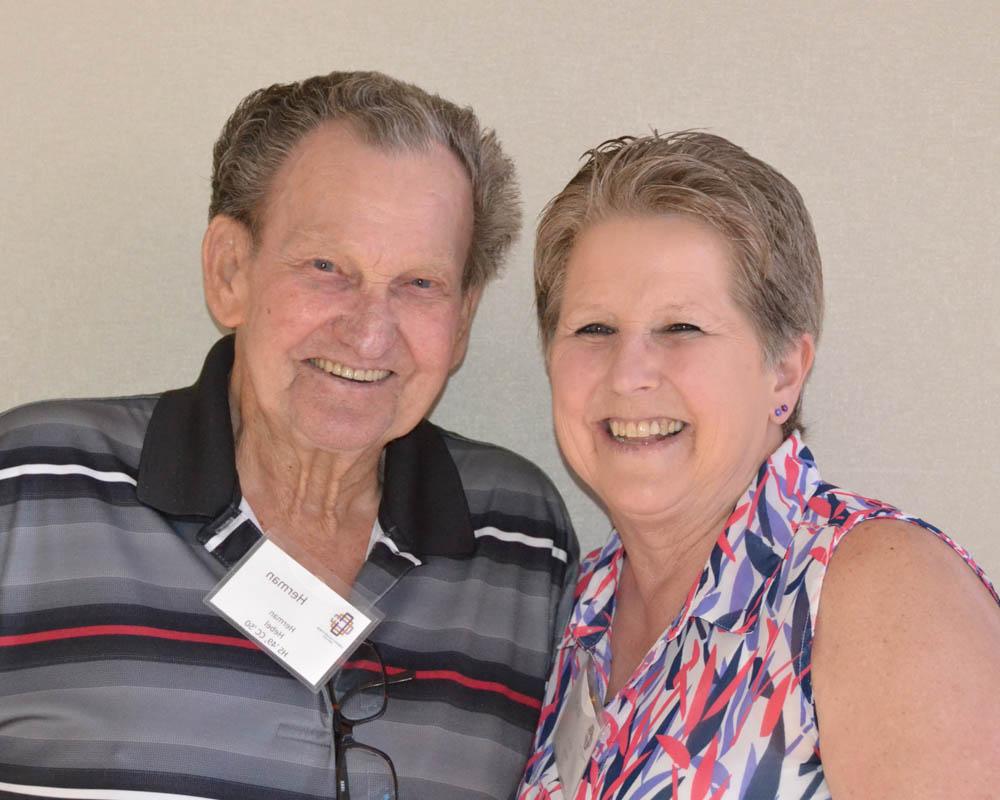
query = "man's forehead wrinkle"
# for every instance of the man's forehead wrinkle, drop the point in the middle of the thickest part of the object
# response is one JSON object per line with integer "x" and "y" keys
{"x": 310, "y": 235}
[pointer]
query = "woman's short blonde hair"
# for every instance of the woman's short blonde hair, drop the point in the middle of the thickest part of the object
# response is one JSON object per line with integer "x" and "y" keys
{"x": 777, "y": 274}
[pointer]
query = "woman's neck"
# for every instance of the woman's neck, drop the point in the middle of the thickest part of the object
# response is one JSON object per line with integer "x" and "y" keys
{"x": 666, "y": 555}
{"x": 663, "y": 559}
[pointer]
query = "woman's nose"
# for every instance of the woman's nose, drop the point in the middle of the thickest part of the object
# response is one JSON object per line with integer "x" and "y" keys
{"x": 636, "y": 364}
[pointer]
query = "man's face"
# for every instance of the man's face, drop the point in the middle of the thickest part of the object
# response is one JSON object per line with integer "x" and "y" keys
{"x": 351, "y": 312}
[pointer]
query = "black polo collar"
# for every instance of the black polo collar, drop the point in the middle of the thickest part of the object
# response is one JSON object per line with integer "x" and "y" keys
{"x": 188, "y": 467}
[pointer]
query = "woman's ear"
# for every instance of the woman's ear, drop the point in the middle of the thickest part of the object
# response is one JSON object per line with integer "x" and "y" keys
{"x": 792, "y": 369}
{"x": 225, "y": 262}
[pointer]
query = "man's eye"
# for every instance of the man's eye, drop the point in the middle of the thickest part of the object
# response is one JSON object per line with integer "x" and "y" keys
{"x": 422, "y": 283}
{"x": 323, "y": 265}
{"x": 681, "y": 327}
{"x": 595, "y": 329}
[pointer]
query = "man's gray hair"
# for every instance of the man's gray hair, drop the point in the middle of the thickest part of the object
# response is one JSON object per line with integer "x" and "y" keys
{"x": 387, "y": 114}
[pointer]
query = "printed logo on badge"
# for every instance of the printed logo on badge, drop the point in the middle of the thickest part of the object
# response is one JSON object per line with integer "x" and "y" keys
{"x": 342, "y": 624}
{"x": 306, "y": 624}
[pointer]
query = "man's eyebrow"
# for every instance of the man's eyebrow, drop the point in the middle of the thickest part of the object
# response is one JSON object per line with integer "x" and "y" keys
{"x": 436, "y": 265}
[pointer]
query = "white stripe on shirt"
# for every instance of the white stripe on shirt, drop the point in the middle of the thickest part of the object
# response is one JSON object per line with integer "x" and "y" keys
{"x": 522, "y": 538}
{"x": 65, "y": 469}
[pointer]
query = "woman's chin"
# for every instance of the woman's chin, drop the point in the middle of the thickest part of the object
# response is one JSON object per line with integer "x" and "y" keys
{"x": 633, "y": 505}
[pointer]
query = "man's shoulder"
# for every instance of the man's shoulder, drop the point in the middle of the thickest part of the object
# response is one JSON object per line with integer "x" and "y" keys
{"x": 484, "y": 464}
{"x": 107, "y": 425}
{"x": 501, "y": 483}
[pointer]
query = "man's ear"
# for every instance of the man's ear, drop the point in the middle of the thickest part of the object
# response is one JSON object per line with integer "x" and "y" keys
{"x": 225, "y": 262}
{"x": 470, "y": 302}
{"x": 792, "y": 370}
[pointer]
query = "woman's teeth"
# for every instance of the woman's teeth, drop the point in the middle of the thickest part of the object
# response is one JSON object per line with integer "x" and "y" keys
{"x": 644, "y": 429}
{"x": 361, "y": 375}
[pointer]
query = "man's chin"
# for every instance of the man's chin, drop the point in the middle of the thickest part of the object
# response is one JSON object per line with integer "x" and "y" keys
{"x": 354, "y": 437}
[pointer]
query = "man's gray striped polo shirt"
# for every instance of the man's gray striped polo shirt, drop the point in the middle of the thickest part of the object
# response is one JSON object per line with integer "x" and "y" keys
{"x": 116, "y": 518}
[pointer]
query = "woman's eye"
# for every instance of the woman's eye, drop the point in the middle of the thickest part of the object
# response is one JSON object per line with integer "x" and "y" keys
{"x": 595, "y": 329}
{"x": 681, "y": 327}
{"x": 422, "y": 283}
{"x": 323, "y": 265}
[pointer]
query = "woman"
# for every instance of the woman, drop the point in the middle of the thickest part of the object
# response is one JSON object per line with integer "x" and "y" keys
{"x": 679, "y": 296}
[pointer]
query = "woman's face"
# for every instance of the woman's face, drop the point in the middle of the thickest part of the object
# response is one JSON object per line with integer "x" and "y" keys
{"x": 661, "y": 399}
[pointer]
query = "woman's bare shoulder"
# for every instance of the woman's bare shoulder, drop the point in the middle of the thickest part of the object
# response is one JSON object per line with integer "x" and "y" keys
{"x": 906, "y": 668}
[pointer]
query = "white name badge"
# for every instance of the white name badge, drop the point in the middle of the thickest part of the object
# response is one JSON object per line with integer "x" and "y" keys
{"x": 293, "y": 616}
{"x": 575, "y": 734}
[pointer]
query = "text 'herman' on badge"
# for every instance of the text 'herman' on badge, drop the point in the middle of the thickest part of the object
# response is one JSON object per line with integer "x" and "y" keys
{"x": 302, "y": 622}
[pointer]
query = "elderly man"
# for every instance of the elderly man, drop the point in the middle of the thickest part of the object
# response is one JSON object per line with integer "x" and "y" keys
{"x": 353, "y": 225}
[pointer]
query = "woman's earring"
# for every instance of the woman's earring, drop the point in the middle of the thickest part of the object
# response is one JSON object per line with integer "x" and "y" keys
{"x": 781, "y": 410}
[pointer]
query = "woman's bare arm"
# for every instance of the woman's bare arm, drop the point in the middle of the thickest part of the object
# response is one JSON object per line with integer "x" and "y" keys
{"x": 906, "y": 670}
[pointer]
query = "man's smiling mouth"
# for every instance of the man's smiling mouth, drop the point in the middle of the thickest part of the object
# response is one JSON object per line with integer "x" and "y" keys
{"x": 357, "y": 375}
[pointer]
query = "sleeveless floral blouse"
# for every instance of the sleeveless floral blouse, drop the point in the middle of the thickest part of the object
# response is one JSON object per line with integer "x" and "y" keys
{"x": 721, "y": 706}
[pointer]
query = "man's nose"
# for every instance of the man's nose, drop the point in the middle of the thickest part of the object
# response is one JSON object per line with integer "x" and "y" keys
{"x": 370, "y": 328}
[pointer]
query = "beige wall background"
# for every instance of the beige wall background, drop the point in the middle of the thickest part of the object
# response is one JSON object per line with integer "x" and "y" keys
{"x": 887, "y": 117}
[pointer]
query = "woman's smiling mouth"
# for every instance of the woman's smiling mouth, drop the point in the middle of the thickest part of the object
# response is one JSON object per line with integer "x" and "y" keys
{"x": 645, "y": 431}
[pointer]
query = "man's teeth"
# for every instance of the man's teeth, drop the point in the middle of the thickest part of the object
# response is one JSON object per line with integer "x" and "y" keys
{"x": 362, "y": 375}
{"x": 644, "y": 428}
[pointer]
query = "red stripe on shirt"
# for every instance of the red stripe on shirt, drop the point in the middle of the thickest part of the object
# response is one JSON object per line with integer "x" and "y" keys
{"x": 124, "y": 630}
{"x": 238, "y": 641}
{"x": 471, "y": 683}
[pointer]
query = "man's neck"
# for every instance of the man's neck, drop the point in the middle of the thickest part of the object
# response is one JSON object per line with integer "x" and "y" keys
{"x": 318, "y": 505}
